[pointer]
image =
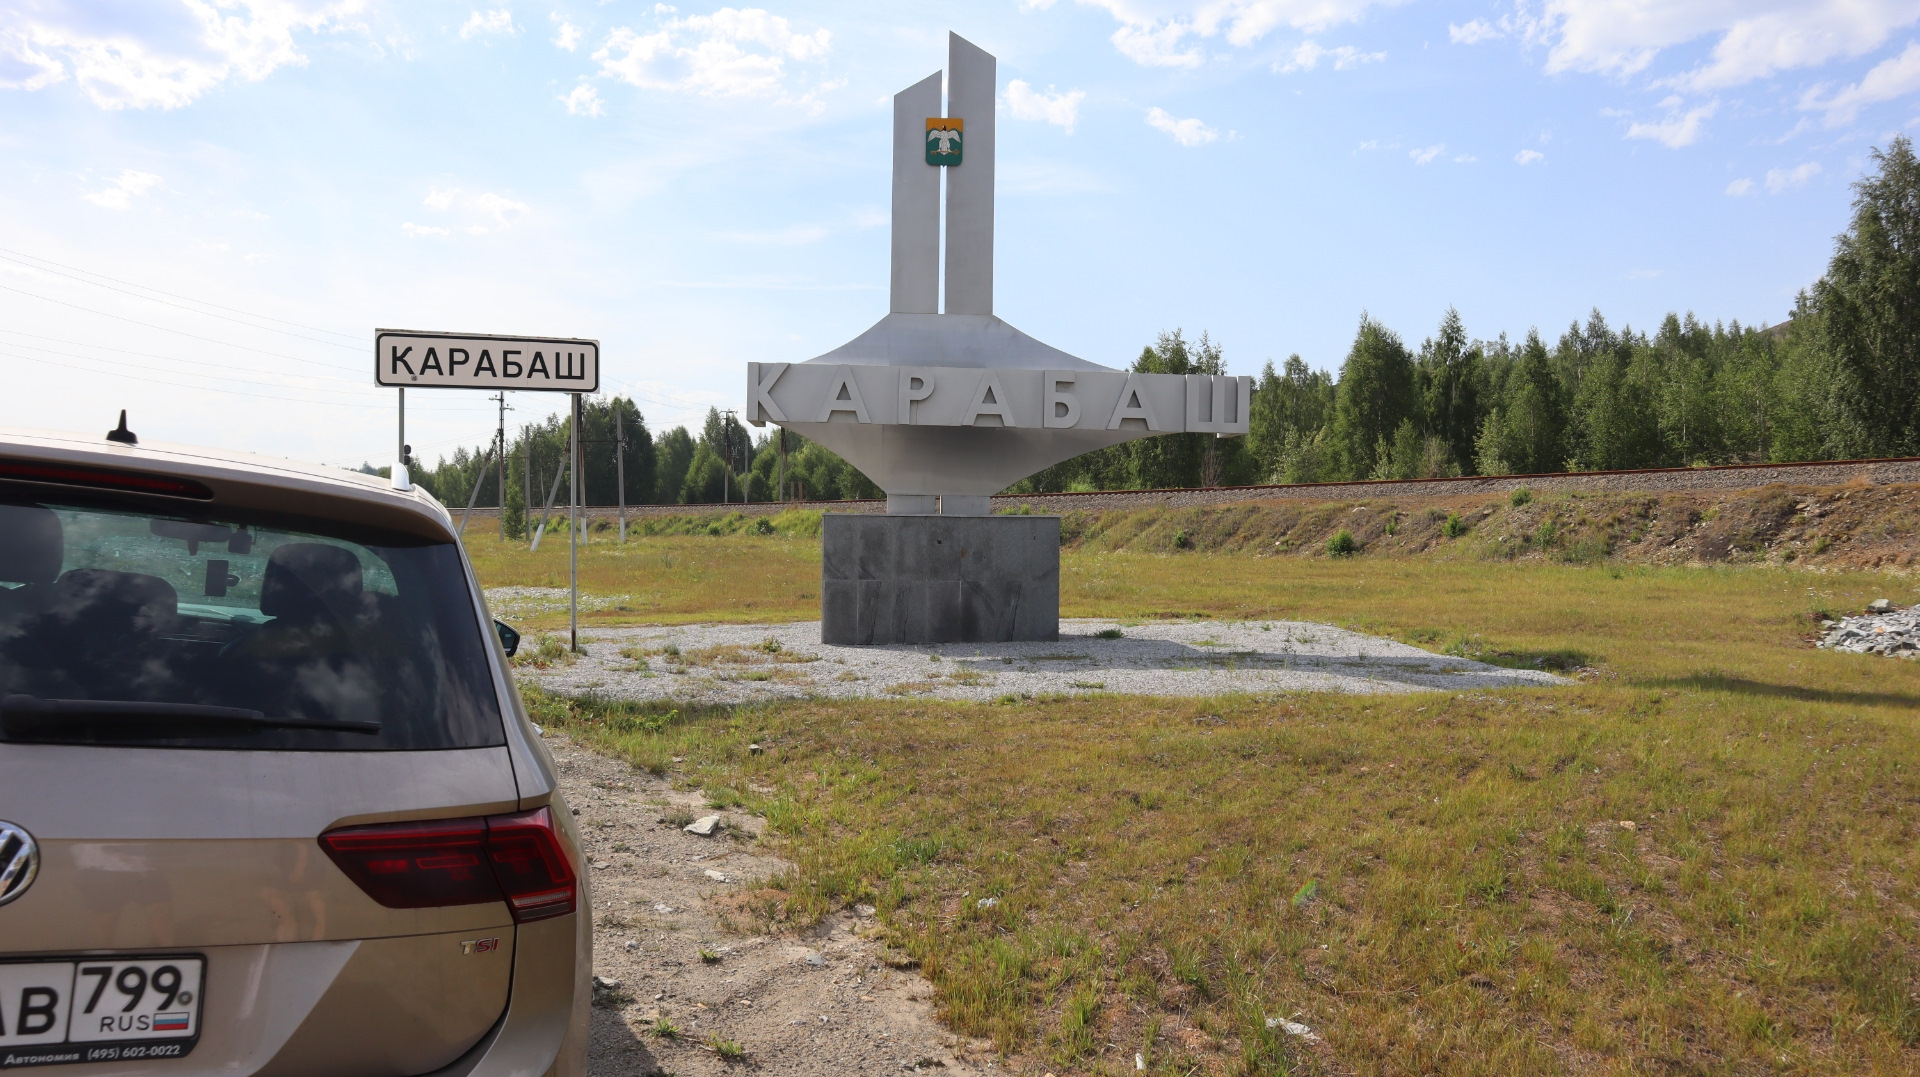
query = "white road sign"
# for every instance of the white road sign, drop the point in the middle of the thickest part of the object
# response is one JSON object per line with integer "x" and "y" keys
{"x": 407, "y": 359}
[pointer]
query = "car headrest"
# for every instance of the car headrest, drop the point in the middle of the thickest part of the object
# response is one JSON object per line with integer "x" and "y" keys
{"x": 149, "y": 602}
{"x": 31, "y": 544}
{"x": 305, "y": 580}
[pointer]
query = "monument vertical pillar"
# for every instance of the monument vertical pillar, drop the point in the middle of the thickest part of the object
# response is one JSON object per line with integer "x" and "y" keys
{"x": 970, "y": 91}
{"x": 916, "y": 202}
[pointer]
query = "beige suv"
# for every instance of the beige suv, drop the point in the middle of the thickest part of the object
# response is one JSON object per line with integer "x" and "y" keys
{"x": 269, "y": 803}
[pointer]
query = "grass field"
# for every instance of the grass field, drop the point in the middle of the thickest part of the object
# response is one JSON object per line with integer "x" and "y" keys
{"x": 1699, "y": 860}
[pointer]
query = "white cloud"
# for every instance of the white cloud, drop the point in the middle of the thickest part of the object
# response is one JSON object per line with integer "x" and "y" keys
{"x": 730, "y": 53}
{"x": 421, "y": 231}
{"x": 498, "y": 21}
{"x": 1427, "y": 154}
{"x": 1307, "y": 55}
{"x": 584, "y": 101}
{"x": 1060, "y": 109}
{"x": 167, "y": 56}
{"x": 567, "y": 37}
{"x": 1889, "y": 79}
{"x": 1165, "y": 33}
{"x": 1188, "y": 132}
{"x": 476, "y": 213}
{"x": 1154, "y": 45}
{"x": 1528, "y": 157}
{"x": 1474, "y": 32}
{"x": 1465, "y": 159}
{"x": 122, "y": 191}
{"x": 1753, "y": 38}
{"x": 1679, "y": 128}
{"x": 1783, "y": 179}
{"x": 1740, "y": 187}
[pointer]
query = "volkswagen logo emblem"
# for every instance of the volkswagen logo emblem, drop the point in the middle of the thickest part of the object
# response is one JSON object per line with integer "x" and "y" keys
{"x": 19, "y": 860}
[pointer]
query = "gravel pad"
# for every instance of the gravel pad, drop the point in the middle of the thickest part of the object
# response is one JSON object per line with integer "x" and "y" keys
{"x": 746, "y": 663}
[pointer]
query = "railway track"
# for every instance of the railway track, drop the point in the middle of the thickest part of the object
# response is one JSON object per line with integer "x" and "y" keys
{"x": 1650, "y": 480}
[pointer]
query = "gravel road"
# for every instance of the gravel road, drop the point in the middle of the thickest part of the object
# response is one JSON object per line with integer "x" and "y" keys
{"x": 731, "y": 664}
{"x": 817, "y": 1003}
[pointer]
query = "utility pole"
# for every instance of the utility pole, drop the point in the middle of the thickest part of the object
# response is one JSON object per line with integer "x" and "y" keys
{"x": 501, "y": 439}
{"x": 726, "y": 435}
{"x": 620, "y": 462}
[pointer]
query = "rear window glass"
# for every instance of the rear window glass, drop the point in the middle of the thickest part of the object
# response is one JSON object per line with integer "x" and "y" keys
{"x": 129, "y": 628}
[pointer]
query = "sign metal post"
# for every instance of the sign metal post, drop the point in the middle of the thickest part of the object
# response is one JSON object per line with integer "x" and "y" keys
{"x": 573, "y": 534}
{"x": 405, "y": 358}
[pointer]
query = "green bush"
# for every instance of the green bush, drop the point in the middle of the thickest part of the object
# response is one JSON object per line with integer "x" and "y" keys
{"x": 1181, "y": 541}
{"x": 1454, "y": 527}
{"x": 1342, "y": 544}
{"x": 1520, "y": 497}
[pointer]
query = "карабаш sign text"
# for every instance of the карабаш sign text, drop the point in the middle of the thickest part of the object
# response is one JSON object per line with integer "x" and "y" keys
{"x": 406, "y": 359}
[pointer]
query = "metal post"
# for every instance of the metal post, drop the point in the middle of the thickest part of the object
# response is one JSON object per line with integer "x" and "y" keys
{"x": 473, "y": 495}
{"x": 781, "y": 493}
{"x": 573, "y": 535}
{"x": 559, "y": 472}
{"x": 501, "y": 447}
{"x": 620, "y": 462}
{"x": 401, "y": 452}
{"x": 526, "y": 484}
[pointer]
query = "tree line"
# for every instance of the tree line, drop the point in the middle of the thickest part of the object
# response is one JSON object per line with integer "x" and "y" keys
{"x": 1839, "y": 379}
{"x": 723, "y": 462}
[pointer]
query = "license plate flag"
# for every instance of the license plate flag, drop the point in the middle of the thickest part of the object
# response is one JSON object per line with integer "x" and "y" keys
{"x": 170, "y": 1022}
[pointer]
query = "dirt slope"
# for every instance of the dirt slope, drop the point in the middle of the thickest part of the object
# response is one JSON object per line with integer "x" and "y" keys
{"x": 1846, "y": 527}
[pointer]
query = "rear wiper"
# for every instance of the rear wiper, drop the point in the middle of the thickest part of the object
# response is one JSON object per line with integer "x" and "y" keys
{"x": 27, "y": 715}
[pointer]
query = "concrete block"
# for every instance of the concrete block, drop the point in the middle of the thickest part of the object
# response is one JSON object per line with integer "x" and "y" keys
{"x": 939, "y": 579}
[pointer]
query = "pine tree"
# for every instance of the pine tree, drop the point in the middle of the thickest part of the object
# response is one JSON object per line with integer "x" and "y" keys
{"x": 1375, "y": 393}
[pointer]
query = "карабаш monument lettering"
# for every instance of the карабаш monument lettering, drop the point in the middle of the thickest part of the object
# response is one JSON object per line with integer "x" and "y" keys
{"x": 942, "y": 407}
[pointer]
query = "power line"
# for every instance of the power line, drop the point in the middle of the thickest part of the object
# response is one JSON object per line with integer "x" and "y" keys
{"x": 165, "y": 329}
{"x": 214, "y": 389}
{"x": 191, "y": 374}
{"x": 31, "y": 258}
{"x": 153, "y": 355}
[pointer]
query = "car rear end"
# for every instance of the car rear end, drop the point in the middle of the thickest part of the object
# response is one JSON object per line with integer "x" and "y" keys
{"x": 268, "y": 801}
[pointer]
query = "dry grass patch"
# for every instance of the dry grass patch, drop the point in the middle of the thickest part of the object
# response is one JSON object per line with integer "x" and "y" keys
{"x": 1433, "y": 883}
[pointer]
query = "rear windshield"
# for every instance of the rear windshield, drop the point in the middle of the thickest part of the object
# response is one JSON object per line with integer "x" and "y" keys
{"x": 129, "y": 628}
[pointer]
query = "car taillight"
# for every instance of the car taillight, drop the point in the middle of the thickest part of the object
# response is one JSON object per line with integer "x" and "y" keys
{"x": 532, "y": 868}
{"x": 512, "y": 858}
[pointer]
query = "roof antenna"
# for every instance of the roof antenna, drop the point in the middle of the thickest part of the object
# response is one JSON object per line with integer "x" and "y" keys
{"x": 122, "y": 434}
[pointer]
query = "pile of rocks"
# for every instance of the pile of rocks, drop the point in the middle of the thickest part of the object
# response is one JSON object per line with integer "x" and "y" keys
{"x": 1884, "y": 629}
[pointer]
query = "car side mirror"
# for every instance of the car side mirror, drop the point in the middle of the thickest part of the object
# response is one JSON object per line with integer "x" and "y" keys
{"x": 509, "y": 639}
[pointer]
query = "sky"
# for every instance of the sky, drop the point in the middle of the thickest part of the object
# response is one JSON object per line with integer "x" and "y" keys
{"x": 208, "y": 206}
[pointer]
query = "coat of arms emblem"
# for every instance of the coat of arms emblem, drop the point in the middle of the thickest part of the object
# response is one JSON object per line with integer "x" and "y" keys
{"x": 944, "y": 140}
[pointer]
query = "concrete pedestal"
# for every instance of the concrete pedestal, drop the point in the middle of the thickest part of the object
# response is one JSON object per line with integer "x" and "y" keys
{"x": 939, "y": 579}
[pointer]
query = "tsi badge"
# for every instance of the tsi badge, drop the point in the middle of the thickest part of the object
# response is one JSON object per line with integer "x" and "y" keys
{"x": 479, "y": 946}
{"x": 19, "y": 861}
{"x": 943, "y": 139}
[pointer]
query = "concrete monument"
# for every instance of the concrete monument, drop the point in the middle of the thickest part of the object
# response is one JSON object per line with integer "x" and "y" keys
{"x": 943, "y": 406}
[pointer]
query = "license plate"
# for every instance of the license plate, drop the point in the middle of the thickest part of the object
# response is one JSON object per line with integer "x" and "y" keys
{"x": 98, "y": 1009}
